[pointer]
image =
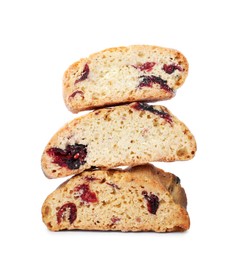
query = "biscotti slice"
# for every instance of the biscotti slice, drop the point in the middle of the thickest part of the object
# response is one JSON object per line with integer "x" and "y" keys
{"x": 126, "y": 135}
{"x": 142, "y": 198}
{"x": 123, "y": 75}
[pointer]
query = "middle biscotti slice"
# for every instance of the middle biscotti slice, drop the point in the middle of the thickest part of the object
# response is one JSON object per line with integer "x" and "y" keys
{"x": 129, "y": 135}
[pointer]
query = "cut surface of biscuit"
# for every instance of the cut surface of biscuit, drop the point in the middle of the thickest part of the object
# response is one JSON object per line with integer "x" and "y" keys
{"x": 123, "y": 75}
{"x": 126, "y": 135}
{"x": 141, "y": 198}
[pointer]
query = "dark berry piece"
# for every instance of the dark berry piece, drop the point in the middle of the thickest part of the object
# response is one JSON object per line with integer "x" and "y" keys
{"x": 73, "y": 156}
{"x": 67, "y": 212}
{"x": 79, "y": 92}
{"x": 115, "y": 220}
{"x": 113, "y": 185}
{"x": 148, "y": 66}
{"x": 171, "y": 68}
{"x": 152, "y": 202}
{"x": 148, "y": 81}
{"x": 177, "y": 180}
{"x": 83, "y": 192}
{"x": 146, "y": 107}
{"x": 83, "y": 75}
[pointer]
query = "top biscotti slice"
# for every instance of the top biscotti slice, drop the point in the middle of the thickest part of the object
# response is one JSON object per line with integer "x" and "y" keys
{"x": 123, "y": 135}
{"x": 122, "y": 75}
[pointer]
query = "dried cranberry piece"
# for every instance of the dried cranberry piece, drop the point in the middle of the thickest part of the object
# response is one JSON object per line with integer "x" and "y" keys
{"x": 148, "y": 81}
{"x": 72, "y": 156}
{"x": 177, "y": 180}
{"x": 115, "y": 219}
{"x": 77, "y": 92}
{"x": 152, "y": 202}
{"x": 83, "y": 192}
{"x": 67, "y": 209}
{"x": 83, "y": 75}
{"x": 146, "y": 107}
{"x": 148, "y": 66}
{"x": 171, "y": 68}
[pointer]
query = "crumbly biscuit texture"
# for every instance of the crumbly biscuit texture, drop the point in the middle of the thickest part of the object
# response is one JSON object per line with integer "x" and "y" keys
{"x": 141, "y": 198}
{"x": 123, "y": 75}
{"x": 126, "y": 135}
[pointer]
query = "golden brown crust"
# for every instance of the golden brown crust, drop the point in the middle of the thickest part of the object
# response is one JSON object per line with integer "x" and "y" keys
{"x": 172, "y": 184}
{"x": 113, "y": 77}
{"x": 119, "y": 203}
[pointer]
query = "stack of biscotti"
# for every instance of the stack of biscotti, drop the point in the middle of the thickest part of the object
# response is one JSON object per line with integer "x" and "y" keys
{"x": 122, "y": 130}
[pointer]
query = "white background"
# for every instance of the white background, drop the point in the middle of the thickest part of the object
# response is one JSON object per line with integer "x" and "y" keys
{"x": 38, "y": 41}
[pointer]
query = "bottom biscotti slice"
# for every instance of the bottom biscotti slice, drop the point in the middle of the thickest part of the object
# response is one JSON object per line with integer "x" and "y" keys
{"x": 141, "y": 198}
